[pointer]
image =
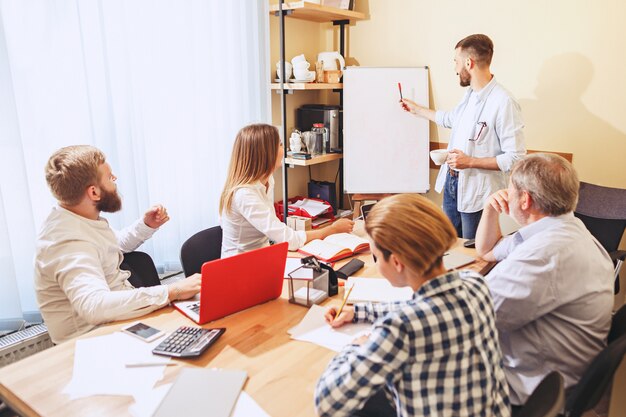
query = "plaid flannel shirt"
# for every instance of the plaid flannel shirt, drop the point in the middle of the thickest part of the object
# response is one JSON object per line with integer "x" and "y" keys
{"x": 436, "y": 355}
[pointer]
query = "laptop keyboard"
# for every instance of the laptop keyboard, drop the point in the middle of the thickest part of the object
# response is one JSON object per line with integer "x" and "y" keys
{"x": 188, "y": 342}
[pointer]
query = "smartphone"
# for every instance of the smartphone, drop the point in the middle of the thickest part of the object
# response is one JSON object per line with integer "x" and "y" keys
{"x": 143, "y": 331}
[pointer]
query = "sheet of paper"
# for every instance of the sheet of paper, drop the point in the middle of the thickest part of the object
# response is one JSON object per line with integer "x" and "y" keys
{"x": 314, "y": 329}
{"x": 146, "y": 404}
{"x": 376, "y": 290}
{"x": 100, "y": 366}
{"x": 247, "y": 407}
{"x": 293, "y": 266}
{"x": 314, "y": 208}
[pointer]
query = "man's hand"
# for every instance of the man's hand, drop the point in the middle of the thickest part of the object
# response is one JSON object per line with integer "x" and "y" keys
{"x": 498, "y": 201}
{"x": 156, "y": 217}
{"x": 409, "y": 105}
{"x": 343, "y": 226}
{"x": 346, "y": 316}
{"x": 458, "y": 159}
{"x": 185, "y": 288}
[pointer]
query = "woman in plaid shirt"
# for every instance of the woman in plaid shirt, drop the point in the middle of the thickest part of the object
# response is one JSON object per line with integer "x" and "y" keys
{"x": 434, "y": 355}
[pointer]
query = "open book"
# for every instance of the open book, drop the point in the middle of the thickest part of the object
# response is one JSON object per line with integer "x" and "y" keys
{"x": 335, "y": 247}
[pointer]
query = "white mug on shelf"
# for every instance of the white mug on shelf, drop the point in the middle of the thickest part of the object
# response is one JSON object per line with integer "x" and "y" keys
{"x": 288, "y": 70}
{"x": 298, "y": 58}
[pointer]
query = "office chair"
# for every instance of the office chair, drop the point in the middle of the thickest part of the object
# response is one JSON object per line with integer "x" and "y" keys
{"x": 596, "y": 380}
{"x": 547, "y": 399}
{"x": 603, "y": 211}
{"x": 618, "y": 324}
{"x": 143, "y": 273}
{"x": 202, "y": 247}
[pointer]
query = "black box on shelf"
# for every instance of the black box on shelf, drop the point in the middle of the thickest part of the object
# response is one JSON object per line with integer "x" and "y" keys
{"x": 324, "y": 190}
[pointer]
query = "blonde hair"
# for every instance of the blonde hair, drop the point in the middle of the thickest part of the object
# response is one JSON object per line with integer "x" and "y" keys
{"x": 253, "y": 159}
{"x": 413, "y": 228}
{"x": 550, "y": 180}
{"x": 71, "y": 170}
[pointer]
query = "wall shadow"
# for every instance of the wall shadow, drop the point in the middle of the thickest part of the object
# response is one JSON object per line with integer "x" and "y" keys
{"x": 558, "y": 120}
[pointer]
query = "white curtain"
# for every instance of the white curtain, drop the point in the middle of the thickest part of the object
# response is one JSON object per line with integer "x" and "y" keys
{"x": 161, "y": 86}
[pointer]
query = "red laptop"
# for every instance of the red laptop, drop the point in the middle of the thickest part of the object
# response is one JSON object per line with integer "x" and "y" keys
{"x": 233, "y": 284}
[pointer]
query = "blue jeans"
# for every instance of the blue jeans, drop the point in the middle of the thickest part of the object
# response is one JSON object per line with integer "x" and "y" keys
{"x": 464, "y": 223}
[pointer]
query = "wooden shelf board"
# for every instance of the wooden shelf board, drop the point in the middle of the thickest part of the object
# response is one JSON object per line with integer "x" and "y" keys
{"x": 315, "y": 160}
{"x": 307, "y": 86}
{"x": 317, "y": 13}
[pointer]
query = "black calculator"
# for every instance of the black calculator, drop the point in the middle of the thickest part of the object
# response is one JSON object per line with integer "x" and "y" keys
{"x": 188, "y": 342}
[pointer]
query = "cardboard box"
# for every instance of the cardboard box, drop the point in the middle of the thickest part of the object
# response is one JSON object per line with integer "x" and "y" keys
{"x": 299, "y": 223}
{"x": 332, "y": 76}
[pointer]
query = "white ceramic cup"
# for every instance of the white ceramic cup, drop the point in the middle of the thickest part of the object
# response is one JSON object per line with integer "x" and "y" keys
{"x": 439, "y": 156}
{"x": 288, "y": 70}
{"x": 301, "y": 65}
{"x": 298, "y": 58}
{"x": 300, "y": 74}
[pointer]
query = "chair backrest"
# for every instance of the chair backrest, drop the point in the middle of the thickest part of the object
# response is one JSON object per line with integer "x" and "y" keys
{"x": 596, "y": 380}
{"x": 603, "y": 210}
{"x": 143, "y": 273}
{"x": 547, "y": 399}
{"x": 618, "y": 325}
{"x": 202, "y": 247}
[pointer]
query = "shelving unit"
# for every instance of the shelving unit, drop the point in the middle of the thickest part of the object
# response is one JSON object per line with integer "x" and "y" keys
{"x": 316, "y": 13}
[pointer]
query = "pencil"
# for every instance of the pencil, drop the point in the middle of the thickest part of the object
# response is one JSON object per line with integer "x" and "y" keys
{"x": 344, "y": 301}
{"x": 400, "y": 90}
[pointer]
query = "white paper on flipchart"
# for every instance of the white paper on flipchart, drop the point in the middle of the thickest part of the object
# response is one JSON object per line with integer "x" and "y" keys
{"x": 100, "y": 366}
{"x": 314, "y": 329}
{"x": 376, "y": 290}
{"x": 146, "y": 404}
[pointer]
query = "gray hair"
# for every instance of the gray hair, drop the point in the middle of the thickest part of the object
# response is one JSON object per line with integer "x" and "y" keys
{"x": 550, "y": 180}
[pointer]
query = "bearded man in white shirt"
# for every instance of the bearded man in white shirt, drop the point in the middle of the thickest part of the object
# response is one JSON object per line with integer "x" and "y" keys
{"x": 78, "y": 280}
{"x": 486, "y": 137}
{"x": 553, "y": 286}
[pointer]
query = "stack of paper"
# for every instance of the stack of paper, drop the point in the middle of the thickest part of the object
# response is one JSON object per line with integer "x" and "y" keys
{"x": 313, "y": 207}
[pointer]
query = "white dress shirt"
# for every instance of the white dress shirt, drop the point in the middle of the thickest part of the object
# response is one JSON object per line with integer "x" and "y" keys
{"x": 502, "y": 138}
{"x": 252, "y": 222}
{"x": 77, "y": 278}
{"x": 553, "y": 294}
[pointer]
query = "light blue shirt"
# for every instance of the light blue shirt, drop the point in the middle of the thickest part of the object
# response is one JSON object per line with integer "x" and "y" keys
{"x": 502, "y": 138}
{"x": 553, "y": 295}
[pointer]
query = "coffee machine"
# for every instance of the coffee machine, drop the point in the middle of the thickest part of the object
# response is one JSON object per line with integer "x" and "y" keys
{"x": 330, "y": 116}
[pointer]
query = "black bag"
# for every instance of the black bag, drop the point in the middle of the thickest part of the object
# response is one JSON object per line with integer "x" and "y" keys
{"x": 324, "y": 190}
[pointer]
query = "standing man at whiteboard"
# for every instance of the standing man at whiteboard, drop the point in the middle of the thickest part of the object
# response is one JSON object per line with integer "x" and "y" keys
{"x": 486, "y": 136}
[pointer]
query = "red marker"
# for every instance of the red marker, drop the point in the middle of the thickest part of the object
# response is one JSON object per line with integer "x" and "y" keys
{"x": 400, "y": 90}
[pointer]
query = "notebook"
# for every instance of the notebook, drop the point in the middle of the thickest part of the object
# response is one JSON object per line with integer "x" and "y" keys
{"x": 202, "y": 392}
{"x": 454, "y": 259}
{"x": 233, "y": 284}
{"x": 335, "y": 247}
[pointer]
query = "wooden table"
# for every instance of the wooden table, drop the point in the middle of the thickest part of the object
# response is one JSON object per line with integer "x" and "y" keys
{"x": 282, "y": 372}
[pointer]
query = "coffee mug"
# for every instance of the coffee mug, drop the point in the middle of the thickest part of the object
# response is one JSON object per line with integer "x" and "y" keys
{"x": 288, "y": 69}
{"x": 304, "y": 75}
{"x": 298, "y": 58}
{"x": 439, "y": 156}
{"x": 301, "y": 65}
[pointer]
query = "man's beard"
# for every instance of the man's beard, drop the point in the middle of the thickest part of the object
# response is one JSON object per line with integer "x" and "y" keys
{"x": 465, "y": 78}
{"x": 110, "y": 202}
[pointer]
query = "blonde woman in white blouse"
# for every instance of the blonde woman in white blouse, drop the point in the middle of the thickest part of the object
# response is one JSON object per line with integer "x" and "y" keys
{"x": 247, "y": 211}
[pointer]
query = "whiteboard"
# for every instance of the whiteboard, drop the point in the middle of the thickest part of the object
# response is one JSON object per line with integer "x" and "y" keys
{"x": 385, "y": 148}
